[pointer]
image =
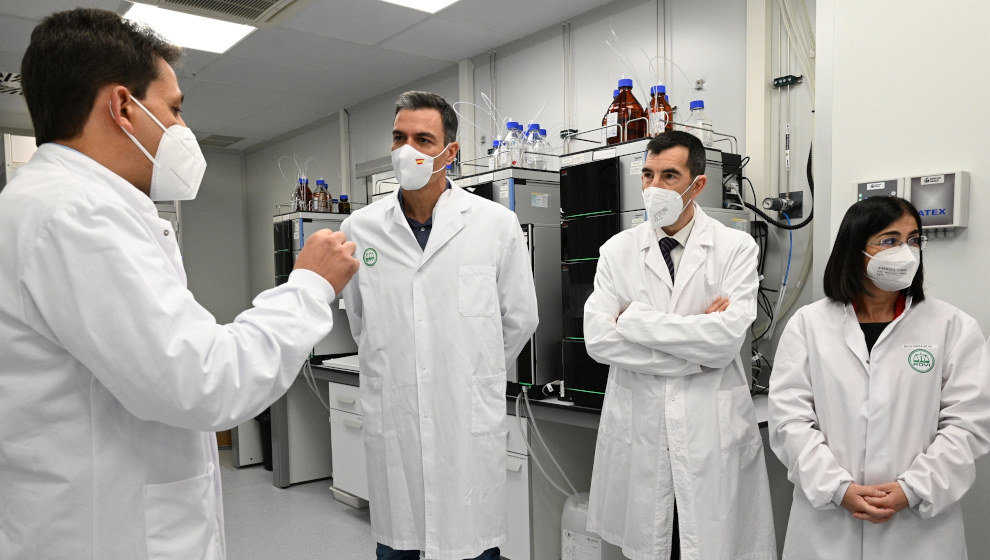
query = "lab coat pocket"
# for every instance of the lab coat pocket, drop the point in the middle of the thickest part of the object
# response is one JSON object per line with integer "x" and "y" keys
{"x": 736, "y": 419}
{"x": 476, "y": 291}
{"x": 372, "y": 405}
{"x": 616, "y": 412}
{"x": 488, "y": 405}
{"x": 180, "y": 519}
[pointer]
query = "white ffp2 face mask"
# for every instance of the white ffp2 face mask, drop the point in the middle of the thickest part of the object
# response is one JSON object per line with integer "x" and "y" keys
{"x": 178, "y": 163}
{"x": 893, "y": 270}
{"x": 664, "y": 206}
{"x": 413, "y": 168}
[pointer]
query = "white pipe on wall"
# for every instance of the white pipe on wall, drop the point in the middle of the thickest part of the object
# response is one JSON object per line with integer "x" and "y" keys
{"x": 345, "y": 153}
{"x": 465, "y": 92}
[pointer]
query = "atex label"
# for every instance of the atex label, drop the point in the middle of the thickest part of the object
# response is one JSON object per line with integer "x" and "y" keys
{"x": 933, "y": 180}
{"x": 875, "y": 186}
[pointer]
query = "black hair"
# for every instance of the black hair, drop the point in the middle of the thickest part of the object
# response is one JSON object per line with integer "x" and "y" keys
{"x": 696, "y": 161}
{"x": 845, "y": 270}
{"x": 73, "y": 54}
{"x": 425, "y": 100}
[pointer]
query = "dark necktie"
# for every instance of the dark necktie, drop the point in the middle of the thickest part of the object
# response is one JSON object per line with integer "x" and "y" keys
{"x": 667, "y": 245}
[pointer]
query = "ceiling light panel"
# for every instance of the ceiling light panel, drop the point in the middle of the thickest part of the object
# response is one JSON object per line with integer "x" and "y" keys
{"x": 429, "y": 6}
{"x": 187, "y": 30}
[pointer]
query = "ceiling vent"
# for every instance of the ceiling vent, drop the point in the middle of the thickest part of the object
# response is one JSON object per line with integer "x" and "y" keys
{"x": 10, "y": 83}
{"x": 217, "y": 141}
{"x": 250, "y": 12}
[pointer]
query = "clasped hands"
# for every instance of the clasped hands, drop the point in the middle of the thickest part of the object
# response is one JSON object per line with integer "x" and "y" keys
{"x": 877, "y": 503}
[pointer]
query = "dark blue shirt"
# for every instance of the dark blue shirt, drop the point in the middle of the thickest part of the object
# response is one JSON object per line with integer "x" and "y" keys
{"x": 420, "y": 230}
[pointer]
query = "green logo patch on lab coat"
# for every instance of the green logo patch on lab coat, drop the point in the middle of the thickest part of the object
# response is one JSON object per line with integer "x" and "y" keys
{"x": 370, "y": 257}
{"x": 921, "y": 361}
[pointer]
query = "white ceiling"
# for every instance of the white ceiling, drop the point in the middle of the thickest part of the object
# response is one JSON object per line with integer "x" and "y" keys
{"x": 313, "y": 59}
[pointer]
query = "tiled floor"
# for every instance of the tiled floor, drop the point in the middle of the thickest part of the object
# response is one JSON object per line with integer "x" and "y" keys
{"x": 301, "y": 522}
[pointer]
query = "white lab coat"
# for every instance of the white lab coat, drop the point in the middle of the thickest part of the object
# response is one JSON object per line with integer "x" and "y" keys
{"x": 112, "y": 376}
{"x": 841, "y": 414}
{"x": 435, "y": 329}
{"x": 678, "y": 420}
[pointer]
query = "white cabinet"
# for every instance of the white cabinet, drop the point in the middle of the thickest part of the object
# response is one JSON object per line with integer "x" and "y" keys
{"x": 350, "y": 476}
{"x": 518, "y": 544}
{"x": 345, "y": 398}
{"x": 347, "y": 438}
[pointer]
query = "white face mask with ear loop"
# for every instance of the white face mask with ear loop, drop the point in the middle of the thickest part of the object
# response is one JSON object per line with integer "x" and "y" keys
{"x": 893, "y": 270}
{"x": 178, "y": 163}
{"x": 413, "y": 168}
{"x": 664, "y": 206}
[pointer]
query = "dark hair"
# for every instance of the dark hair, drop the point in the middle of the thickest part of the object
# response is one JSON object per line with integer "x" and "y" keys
{"x": 73, "y": 54}
{"x": 425, "y": 100}
{"x": 845, "y": 270}
{"x": 696, "y": 160}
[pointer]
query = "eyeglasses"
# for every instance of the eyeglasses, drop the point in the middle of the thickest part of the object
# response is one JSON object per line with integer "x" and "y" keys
{"x": 918, "y": 242}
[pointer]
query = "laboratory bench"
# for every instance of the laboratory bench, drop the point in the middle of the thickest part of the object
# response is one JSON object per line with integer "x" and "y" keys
{"x": 534, "y": 507}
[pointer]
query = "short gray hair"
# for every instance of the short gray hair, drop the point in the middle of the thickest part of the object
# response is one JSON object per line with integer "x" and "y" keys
{"x": 413, "y": 100}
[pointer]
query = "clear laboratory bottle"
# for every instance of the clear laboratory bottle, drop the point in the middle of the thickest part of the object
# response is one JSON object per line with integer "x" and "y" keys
{"x": 546, "y": 149}
{"x": 627, "y": 117}
{"x": 493, "y": 155}
{"x": 661, "y": 115}
{"x": 321, "y": 198}
{"x": 345, "y": 205}
{"x": 512, "y": 145}
{"x": 304, "y": 196}
{"x": 699, "y": 125}
{"x": 334, "y": 206}
{"x": 531, "y": 147}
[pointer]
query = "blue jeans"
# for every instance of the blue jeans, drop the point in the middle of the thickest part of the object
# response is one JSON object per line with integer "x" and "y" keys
{"x": 387, "y": 553}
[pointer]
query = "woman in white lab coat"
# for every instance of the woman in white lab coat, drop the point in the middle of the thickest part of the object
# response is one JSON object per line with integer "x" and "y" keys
{"x": 879, "y": 401}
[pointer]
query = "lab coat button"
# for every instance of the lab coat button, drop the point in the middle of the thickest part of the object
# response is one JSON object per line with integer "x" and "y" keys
{"x": 422, "y": 368}
{"x": 165, "y": 232}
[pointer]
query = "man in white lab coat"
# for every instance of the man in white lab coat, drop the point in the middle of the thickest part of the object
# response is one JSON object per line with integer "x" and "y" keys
{"x": 112, "y": 376}
{"x": 679, "y": 469}
{"x": 443, "y": 302}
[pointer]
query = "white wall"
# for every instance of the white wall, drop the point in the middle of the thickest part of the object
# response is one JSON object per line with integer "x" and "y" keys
{"x": 266, "y": 187}
{"x": 213, "y": 245}
{"x": 706, "y": 38}
{"x": 886, "y": 65}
